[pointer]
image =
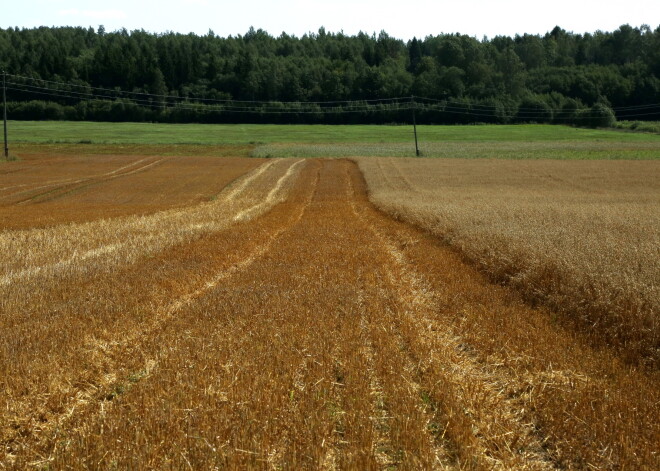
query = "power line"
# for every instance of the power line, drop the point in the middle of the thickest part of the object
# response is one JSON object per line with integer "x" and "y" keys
{"x": 477, "y": 105}
{"x": 210, "y": 100}
{"x": 74, "y": 94}
{"x": 292, "y": 108}
{"x": 355, "y": 106}
{"x": 199, "y": 107}
{"x": 484, "y": 107}
{"x": 83, "y": 93}
{"x": 225, "y": 108}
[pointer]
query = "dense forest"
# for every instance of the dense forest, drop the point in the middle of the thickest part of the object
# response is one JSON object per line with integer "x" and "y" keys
{"x": 562, "y": 77}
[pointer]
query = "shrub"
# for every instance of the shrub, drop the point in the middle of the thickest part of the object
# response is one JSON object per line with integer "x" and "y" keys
{"x": 600, "y": 116}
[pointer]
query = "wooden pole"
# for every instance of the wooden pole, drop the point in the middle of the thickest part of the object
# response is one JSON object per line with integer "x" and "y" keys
{"x": 4, "y": 105}
{"x": 412, "y": 100}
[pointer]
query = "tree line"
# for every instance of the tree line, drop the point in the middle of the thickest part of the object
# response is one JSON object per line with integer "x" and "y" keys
{"x": 561, "y": 77}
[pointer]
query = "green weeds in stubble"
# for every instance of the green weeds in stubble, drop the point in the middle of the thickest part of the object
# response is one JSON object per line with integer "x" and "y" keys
{"x": 564, "y": 150}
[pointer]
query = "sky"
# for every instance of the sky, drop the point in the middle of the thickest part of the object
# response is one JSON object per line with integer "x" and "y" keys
{"x": 401, "y": 19}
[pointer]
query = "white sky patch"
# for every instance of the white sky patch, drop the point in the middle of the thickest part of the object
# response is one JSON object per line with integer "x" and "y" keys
{"x": 402, "y": 20}
{"x": 95, "y": 14}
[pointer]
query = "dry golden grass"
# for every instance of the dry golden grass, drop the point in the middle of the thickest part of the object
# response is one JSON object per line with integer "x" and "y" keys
{"x": 307, "y": 331}
{"x": 582, "y": 237}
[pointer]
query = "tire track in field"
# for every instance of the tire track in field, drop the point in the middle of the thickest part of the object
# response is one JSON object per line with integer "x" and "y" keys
{"x": 402, "y": 378}
{"x": 90, "y": 395}
{"x": 85, "y": 183}
{"x": 397, "y": 394}
{"x": 270, "y": 198}
{"x": 243, "y": 184}
{"x": 382, "y": 446}
{"x": 55, "y": 267}
{"x": 383, "y": 174}
{"x": 51, "y": 183}
{"x": 501, "y": 437}
{"x": 109, "y": 249}
{"x": 397, "y": 181}
{"x": 401, "y": 176}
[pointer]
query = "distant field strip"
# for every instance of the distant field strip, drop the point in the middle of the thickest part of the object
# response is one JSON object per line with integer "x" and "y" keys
{"x": 121, "y": 240}
{"x": 59, "y": 134}
{"x": 515, "y": 150}
{"x": 580, "y": 236}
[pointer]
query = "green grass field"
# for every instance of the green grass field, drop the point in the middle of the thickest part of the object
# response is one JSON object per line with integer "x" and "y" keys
{"x": 481, "y": 141}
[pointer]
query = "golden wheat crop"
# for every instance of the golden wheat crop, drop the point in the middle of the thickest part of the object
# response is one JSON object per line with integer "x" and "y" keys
{"x": 580, "y": 236}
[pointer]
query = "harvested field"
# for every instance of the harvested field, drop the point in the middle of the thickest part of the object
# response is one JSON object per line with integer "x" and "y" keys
{"x": 582, "y": 237}
{"x": 288, "y": 324}
{"x": 45, "y": 190}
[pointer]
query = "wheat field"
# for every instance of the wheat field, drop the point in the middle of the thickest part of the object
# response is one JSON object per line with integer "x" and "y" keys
{"x": 272, "y": 314}
{"x": 582, "y": 237}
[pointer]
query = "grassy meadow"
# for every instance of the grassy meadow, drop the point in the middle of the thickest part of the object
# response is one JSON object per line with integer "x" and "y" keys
{"x": 472, "y": 141}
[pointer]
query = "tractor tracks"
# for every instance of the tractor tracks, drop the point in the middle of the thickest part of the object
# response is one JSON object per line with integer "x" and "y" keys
{"x": 116, "y": 364}
{"x": 494, "y": 433}
{"x": 128, "y": 237}
{"x": 62, "y": 187}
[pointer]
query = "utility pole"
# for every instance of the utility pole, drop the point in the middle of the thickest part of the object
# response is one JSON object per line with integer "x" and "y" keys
{"x": 4, "y": 105}
{"x": 414, "y": 105}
